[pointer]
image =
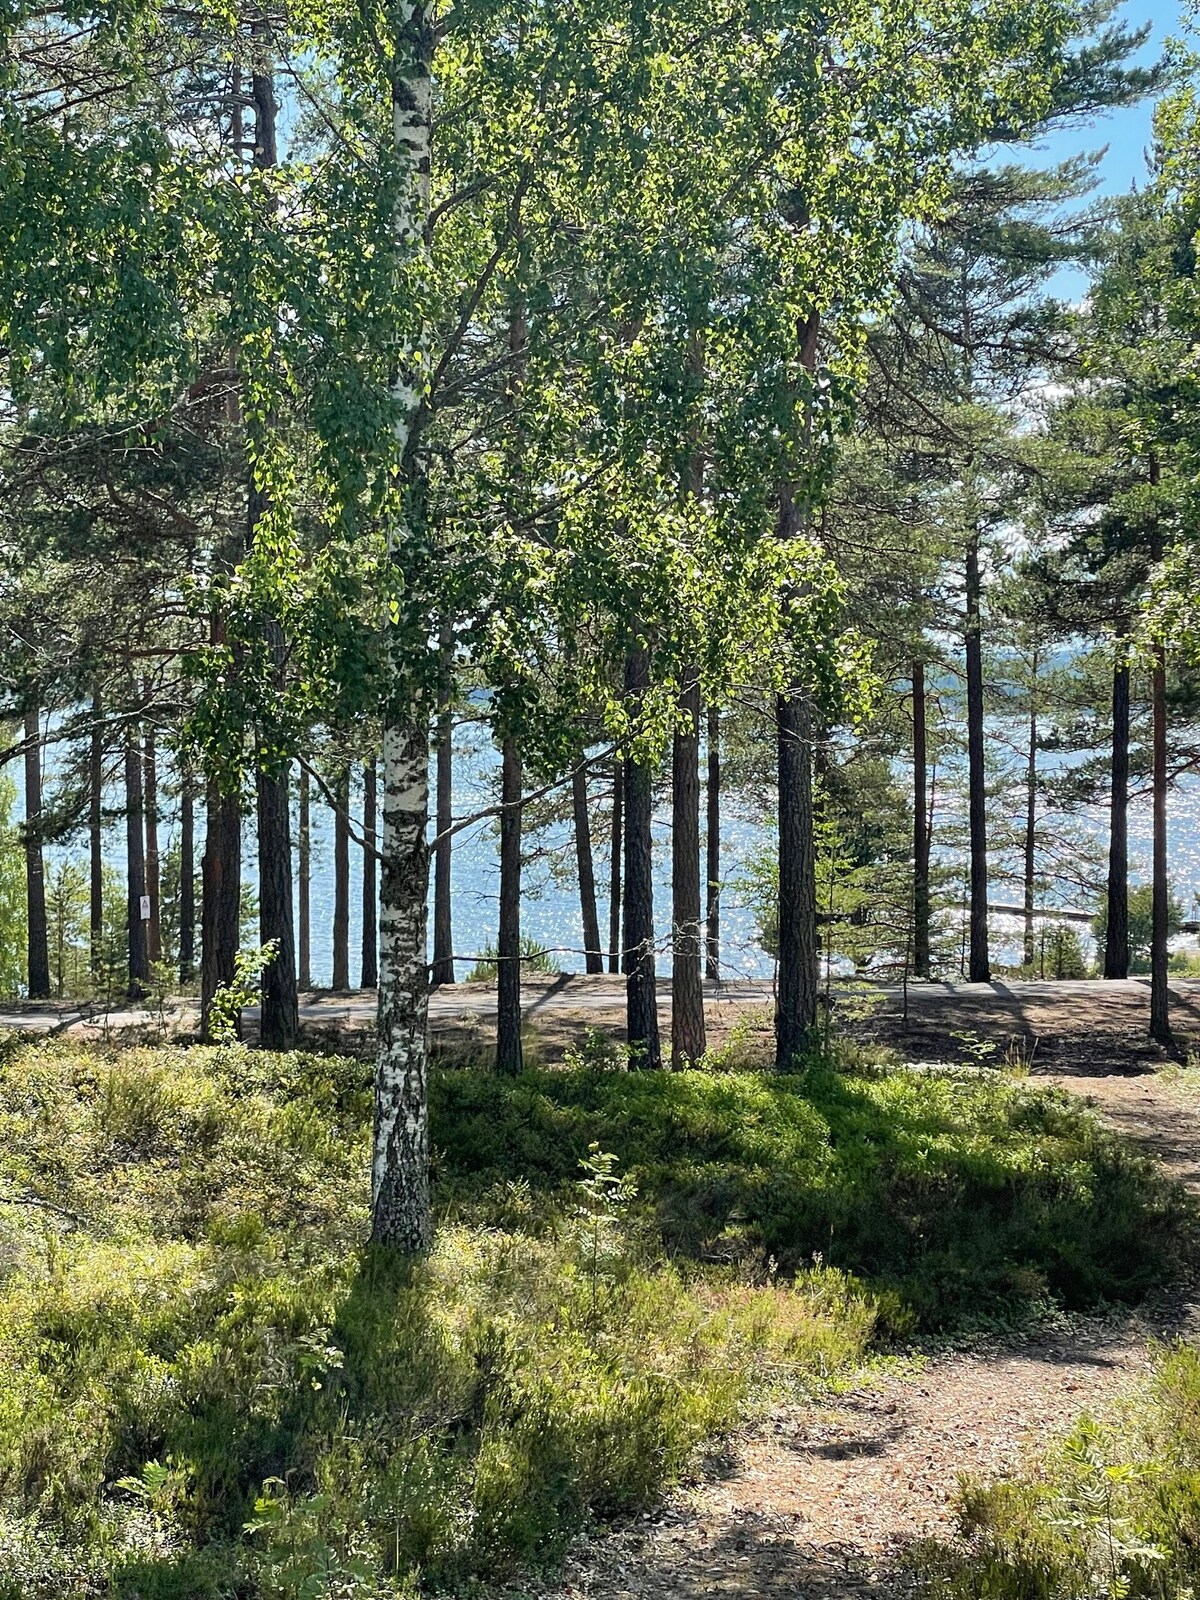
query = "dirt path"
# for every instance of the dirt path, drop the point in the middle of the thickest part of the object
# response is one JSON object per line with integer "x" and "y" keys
{"x": 820, "y": 1501}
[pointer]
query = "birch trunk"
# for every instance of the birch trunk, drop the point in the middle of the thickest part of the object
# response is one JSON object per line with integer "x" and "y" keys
{"x": 401, "y": 1216}
{"x": 400, "y": 1166}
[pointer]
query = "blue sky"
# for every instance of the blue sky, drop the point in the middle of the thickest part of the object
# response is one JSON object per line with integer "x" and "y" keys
{"x": 1127, "y": 132}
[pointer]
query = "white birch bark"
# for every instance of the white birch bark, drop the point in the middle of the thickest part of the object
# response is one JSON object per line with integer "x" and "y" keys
{"x": 400, "y": 1159}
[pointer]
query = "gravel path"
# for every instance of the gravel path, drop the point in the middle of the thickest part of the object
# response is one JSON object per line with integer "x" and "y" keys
{"x": 818, "y": 1503}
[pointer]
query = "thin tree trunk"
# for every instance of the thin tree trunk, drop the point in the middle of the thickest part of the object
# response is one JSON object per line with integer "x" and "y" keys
{"x": 187, "y": 877}
{"x": 1160, "y": 1021}
{"x": 37, "y": 932}
{"x": 979, "y": 963}
{"x": 278, "y": 1000}
{"x": 688, "y": 1041}
{"x": 153, "y": 888}
{"x": 443, "y": 929}
{"x": 341, "y": 880}
{"x": 221, "y": 897}
{"x": 641, "y": 998}
{"x": 614, "y": 874}
{"x": 921, "y": 950}
{"x": 400, "y": 1210}
{"x": 799, "y": 946}
{"x": 508, "y": 943}
{"x": 1116, "y": 934}
{"x": 712, "y": 850}
{"x": 96, "y": 837}
{"x": 135, "y": 838}
{"x": 279, "y": 1014}
{"x": 592, "y": 954}
{"x": 304, "y": 885}
{"x": 1031, "y": 815}
{"x": 370, "y": 888}
{"x": 400, "y": 1166}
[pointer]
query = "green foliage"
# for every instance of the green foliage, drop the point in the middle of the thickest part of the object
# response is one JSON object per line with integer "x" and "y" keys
{"x": 231, "y": 999}
{"x": 1114, "y": 1511}
{"x": 1061, "y": 954}
{"x": 1141, "y": 907}
{"x": 970, "y": 1196}
{"x": 535, "y": 958}
{"x": 12, "y": 894}
{"x": 210, "y": 1389}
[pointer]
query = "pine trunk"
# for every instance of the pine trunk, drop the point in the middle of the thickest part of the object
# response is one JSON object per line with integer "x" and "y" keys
{"x": 370, "y": 885}
{"x": 279, "y": 1020}
{"x": 614, "y": 869}
{"x": 221, "y": 897}
{"x": 1160, "y": 1020}
{"x": 139, "y": 962}
{"x": 712, "y": 851}
{"x": 922, "y": 961}
{"x": 799, "y": 946}
{"x": 443, "y": 922}
{"x": 641, "y": 998}
{"x": 304, "y": 883}
{"x": 508, "y": 942}
{"x": 279, "y": 1003}
{"x": 187, "y": 877}
{"x": 96, "y": 837}
{"x": 37, "y": 932}
{"x": 153, "y": 888}
{"x": 340, "y": 979}
{"x": 688, "y": 1041}
{"x": 1030, "y": 821}
{"x": 593, "y": 955}
{"x": 1116, "y": 935}
{"x": 978, "y": 961}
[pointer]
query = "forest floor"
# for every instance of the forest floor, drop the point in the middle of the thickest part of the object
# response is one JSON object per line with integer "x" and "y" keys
{"x": 821, "y": 1499}
{"x": 824, "y": 1498}
{"x": 1079, "y": 1027}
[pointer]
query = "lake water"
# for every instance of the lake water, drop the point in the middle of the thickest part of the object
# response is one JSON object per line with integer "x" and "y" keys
{"x": 550, "y": 903}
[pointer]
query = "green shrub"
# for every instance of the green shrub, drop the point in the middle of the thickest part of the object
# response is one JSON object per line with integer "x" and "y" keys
{"x": 535, "y": 959}
{"x": 208, "y": 1388}
{"x": 1113, "y": 1512}
{"x": 973, "y": 1196}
